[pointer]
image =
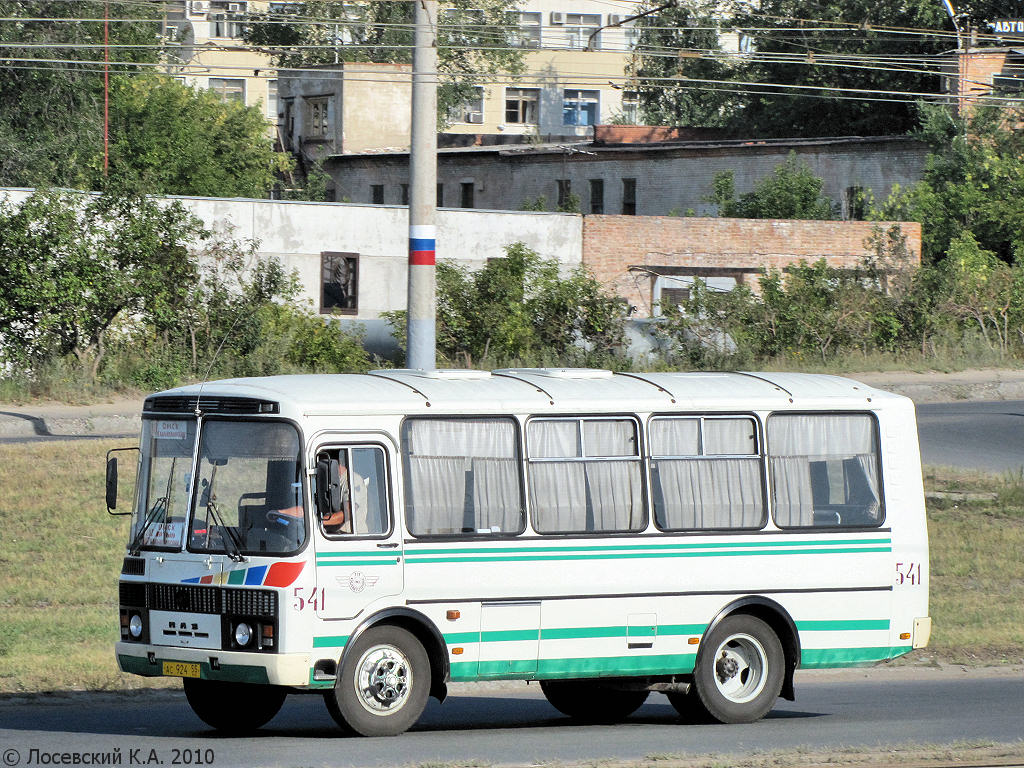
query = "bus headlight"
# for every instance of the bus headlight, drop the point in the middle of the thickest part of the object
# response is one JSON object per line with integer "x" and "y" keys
{"x": 243, "y": 634}
{"x": 135, "y": 626}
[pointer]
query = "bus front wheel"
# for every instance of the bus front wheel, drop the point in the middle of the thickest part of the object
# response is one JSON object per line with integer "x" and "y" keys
{"x": 739, "y": 674}
{"x": 592, "y": 702}
{"x": 383, "y": 684}
{"x": 233, "y": 707}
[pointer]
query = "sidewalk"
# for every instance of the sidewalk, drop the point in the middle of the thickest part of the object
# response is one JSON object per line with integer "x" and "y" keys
{"x": 121, "y": 417}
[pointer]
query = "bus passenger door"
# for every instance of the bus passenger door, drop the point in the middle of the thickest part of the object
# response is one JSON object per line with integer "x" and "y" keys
{"x": 359, "y": 558}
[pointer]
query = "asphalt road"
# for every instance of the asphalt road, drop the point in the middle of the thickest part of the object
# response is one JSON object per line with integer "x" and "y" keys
{"x": 974, "y": 435}
{"x": 515, "y": 725}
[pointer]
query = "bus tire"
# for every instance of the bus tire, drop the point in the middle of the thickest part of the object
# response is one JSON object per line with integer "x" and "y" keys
{"x": 740, "y": 671}
{"x": 383, "y": 684}
{"x": 233, "y": 707}
{"x": 591, "y": 701}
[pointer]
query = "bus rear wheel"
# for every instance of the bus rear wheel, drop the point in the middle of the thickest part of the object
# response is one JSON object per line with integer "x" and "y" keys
{"x": 740, "y": 671}
{"x": 592, "y": 701}
{"x": 383, "y": 684}
{"x": 233, "y": 707}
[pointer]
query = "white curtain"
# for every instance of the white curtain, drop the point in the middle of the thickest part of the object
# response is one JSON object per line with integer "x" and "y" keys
{"x": 824, "y": 464}
{"x": 462, "y": 476}
{"x": 729, "y": 437}
{"x": 553, "y": 439}
{"x": 708, "y": 493}
{"x": 609, "y": 437}
{"x": 675, "y": 437}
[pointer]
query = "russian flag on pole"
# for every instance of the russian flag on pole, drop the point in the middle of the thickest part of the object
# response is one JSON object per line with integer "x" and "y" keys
{"x": 421, "y": 245}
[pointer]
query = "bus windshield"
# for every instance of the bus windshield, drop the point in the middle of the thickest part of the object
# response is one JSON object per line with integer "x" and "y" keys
{"x": 165, "y": 468}
{"x": 248, "y": 494}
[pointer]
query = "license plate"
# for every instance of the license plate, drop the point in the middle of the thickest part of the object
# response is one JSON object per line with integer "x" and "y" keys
{"x": 181, "y": 669}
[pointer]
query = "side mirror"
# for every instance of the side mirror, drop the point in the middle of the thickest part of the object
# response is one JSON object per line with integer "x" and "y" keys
{"x": 111, "y": 491}
{"x": 328, "y": 487}
{"x": 111, "y": 483}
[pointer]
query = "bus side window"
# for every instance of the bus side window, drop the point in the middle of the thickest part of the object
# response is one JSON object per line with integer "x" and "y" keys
{"x": 364, "y": 504}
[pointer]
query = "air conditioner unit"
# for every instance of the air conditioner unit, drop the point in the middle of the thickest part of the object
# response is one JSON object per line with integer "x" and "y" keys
{"x": 236, "y": 8}
{"x": 557, "y": 18}
{"x": 475, "y": 117}
{"x": 615, "y": 18}
{"x": 198, "y": 7}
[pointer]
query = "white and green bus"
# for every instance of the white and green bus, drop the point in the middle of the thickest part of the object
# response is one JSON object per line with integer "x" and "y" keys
{"x": 374, "y": 537}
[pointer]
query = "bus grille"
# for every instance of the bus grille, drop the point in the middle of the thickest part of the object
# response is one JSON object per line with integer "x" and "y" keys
{"x": 133, "y": 566}
{"x": 184, "y": 597}
{"x": 250, "y": 602}
{"x": 132, "y": 594}
{"x": 188, "y": 598}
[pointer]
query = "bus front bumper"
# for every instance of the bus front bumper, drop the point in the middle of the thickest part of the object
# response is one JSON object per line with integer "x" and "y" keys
{"x": 292, "y": 669}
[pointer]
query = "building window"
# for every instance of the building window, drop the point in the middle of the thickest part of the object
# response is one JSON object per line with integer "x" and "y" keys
{"x": 272, "y": 101}
{"x": 319, "y": 124}
{"x": 377, "y": 194}
{"x": 579, "y": 107}
{"x": 227, "y": 18}
{"x": 462, "y": 26}
{"x": 564, "y": 192}
{"x": 597, "y": 195}
{"x": 855, "y": 203}
{"x": 404, "y": 194}
{"x": 440, "y": 195}
{"x": 470, "y": 111}
{"x": 630, "y": 108}
{"x": 579, "y": 27}
{"x": 288, "y": 123}
{"x": 629, "y": 197}
{"x": 339, "y": 283}
{"x": 466, "y": 197}
{"x": 228, "y": 89}
{"x": 522, "y": 105}
{"x": 527, "y": 29}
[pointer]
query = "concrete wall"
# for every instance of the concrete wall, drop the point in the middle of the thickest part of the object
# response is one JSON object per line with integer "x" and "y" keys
{"x": 297, "y": 233}
{"x": 668, "y": 179}
{"x": 625, "y": 253}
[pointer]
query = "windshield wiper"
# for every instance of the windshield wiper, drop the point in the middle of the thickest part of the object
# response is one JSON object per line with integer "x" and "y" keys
{"x": 159, "y": 509}
{"x": 213, "y": 511}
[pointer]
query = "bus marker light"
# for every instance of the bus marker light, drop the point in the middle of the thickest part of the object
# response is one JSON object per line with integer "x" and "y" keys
{"x": 693, "y": 641}
{"x": 456, "y": 651}
{"x": 453, "y": 615}
{"x": 904, "y": 635}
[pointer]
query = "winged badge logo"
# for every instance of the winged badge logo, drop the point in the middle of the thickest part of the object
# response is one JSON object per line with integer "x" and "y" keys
{"x": 357, "y": 581}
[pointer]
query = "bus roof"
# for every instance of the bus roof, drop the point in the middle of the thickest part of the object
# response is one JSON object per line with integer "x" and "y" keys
{"x": 534, "y": 390}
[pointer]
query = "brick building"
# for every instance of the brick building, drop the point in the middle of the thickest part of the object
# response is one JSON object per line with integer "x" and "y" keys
{"x": 647, "y": 259}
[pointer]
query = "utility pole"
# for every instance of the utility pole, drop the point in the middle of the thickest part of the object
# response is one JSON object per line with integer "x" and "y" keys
{"x": 420, "y": 326}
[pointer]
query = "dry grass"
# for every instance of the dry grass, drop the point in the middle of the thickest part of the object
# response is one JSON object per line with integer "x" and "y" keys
{"x": 60, "y": 555}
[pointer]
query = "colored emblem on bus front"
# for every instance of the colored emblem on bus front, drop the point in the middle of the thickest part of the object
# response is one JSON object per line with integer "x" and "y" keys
{"x": 275, "y": 575}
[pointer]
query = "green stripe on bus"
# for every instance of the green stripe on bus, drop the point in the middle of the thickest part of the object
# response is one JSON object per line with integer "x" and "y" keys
{"x": 823, "y": 658}
{"x": 237, "y": 577}
{"x": 547, "y": 669}
{"x": 332, "y": 563}
{"x": 611, "y": 547}
{"x": 411, "y": 558}
{"x": 838, "y": 625}
{"x": 574, "y": 633}
{"x": 330, "y": 641}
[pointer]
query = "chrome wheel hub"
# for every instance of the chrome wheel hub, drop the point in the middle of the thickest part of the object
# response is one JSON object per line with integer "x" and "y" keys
{"x": 383, "y": 679}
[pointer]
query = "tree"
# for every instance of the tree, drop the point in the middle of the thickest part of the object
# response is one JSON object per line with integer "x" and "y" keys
{"x": 791, "y": 192}
{"x": 70, "y": 265}
{"x": 521, "y": 306}
{"x": 973, "y": 182}
{"x": 168, "y": 138}
{"x": 51, "y": 106}
{"x": 679, "y": 54}
{"x": 477, "y": 39}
